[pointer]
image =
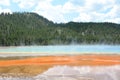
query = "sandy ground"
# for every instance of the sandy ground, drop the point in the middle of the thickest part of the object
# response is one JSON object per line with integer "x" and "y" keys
{"x": 29, "y": 66}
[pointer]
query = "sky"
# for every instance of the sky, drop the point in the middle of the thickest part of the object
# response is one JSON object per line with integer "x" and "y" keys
{"x": 62, "y": 11}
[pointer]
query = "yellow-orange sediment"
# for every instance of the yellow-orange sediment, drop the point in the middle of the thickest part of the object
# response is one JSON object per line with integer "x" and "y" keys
{"x": 35, "y": 65}
{"x": 91, "y": 60}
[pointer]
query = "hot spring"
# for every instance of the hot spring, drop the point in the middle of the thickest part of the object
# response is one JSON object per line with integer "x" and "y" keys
{"x": 66, "y": 72}
{"x": 61, "y": 50}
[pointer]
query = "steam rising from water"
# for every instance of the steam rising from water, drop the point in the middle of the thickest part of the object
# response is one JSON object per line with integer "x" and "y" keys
{"x": 59, "y": 49}
{"x": 75, "y": 73}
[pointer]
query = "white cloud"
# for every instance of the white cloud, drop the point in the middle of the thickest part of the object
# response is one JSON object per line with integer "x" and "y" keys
{"x": 115, "y": 20}
{"x": 99, "y": 11}
{"x": 83, "y": 17}
{"x": 68, "y": 7}
{"x": 88, "y": 10}
{"x": 56, "y": 13}
{"x": 5, "y": 2}
{"x": 26, "y": 4}
{"x": 46, "y": 9}
{"x": 113, "y": 15}
{"x": 115, "y": 11}
{"x": 5, "y": 10}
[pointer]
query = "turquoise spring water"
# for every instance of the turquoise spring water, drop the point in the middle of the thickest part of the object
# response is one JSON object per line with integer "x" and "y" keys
{"x": 65, "y": 48}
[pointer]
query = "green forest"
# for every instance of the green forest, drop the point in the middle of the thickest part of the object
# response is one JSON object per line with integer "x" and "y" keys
{"x": 28, "y": 28}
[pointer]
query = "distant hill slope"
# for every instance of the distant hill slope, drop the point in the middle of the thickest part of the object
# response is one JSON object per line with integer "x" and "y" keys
{"x": 32, "y": 29}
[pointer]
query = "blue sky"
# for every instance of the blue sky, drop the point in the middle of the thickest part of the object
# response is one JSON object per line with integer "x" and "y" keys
{"x": 67, "y": 10}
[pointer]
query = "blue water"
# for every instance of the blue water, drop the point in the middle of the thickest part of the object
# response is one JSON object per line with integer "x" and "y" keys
{"x": 67, "y": 48}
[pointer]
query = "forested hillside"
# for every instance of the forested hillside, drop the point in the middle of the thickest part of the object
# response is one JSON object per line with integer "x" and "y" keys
{"x": 32, "y": 29}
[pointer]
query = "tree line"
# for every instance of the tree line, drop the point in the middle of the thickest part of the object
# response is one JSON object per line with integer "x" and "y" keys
{"x": 26, "y": 28}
